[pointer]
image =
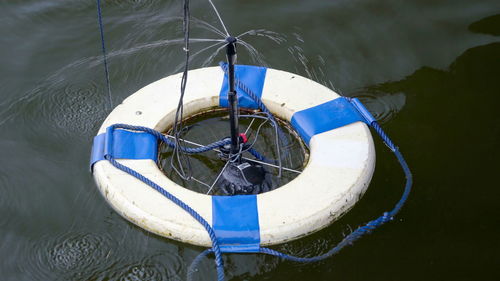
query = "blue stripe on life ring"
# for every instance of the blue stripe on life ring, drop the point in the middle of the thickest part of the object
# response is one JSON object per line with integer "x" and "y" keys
{"x": 251, "y": 76}
{"x": 122, "y": 144}
{"x": 325, "y": 117}
{"x": 235, "y": 220}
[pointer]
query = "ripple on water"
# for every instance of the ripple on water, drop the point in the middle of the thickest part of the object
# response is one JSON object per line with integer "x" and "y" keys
{"x": 71, "y": 256}
{"x": 77, "y": 108}
{"x": 165, "y": 266}
{"x": 383, "y": 106}
{"x": 62, "y": 109}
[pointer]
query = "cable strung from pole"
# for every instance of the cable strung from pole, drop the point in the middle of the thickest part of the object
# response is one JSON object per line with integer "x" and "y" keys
{"x": 103, "y": 49}
{"x": 178, "y": 155}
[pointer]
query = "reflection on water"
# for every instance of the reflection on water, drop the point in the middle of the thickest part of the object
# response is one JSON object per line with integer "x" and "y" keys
{"x": 383, "y": 106}
{"x": 489, "y": 25}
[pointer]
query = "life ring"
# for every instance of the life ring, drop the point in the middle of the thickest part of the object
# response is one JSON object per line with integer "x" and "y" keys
{"x": 338, "y": 172}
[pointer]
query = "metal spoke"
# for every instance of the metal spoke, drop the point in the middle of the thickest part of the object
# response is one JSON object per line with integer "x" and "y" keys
{"x": 200, "y": 182}
{"x": 220, "y": 174}
{"x": 249, "y": 126}
{"x": 272, "y": 165}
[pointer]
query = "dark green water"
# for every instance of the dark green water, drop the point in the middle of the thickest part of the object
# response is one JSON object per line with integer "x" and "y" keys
{"x": 428, "y": 69}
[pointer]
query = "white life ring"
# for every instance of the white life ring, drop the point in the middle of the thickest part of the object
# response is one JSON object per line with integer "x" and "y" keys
{"x": 339, "y": 170}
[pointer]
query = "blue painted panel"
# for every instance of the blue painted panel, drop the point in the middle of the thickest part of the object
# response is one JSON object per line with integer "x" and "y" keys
{"x": 235, "y": 220}
{"x": 123, "y": 144}
{"x": 253, "y": 77}
{"x": 325, "y": 117}
{"x": 97, "y": 149}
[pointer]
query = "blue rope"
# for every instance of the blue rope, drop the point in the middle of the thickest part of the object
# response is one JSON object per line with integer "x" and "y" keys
{"x": 360, "y": 231}
{"x": 184, "y": 206}
{"x": 370, "y": 226}
{"x": 348, "y": 240}
{"x": 258, "y": 156}
{"x": 103, "y": 47}
{"x": 258, "y": 101}
{"x": 189, "y": 150}
{"x": 247, "y": 90}
{"x": 170, "y": 143}
{"x": 159, "y": 136}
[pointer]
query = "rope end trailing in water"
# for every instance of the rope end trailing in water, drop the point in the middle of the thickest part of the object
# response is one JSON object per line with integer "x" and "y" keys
{"x": 371, "y": 225}
{"x": 348, "y": 240}
{"x": 360, "y": 231}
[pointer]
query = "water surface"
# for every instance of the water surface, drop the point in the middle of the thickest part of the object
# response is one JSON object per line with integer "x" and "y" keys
{"x": 427, "y": 69}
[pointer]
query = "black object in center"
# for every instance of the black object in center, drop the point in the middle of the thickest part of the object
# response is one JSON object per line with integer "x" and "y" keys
{"x": 244, "y": 178}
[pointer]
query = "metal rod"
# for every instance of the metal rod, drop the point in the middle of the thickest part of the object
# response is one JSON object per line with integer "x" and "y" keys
{"x": 232, "y": 97}
{"x": 216, "y": 179}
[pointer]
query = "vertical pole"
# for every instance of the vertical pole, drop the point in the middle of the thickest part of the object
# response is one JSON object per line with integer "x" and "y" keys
{"x": 231, "y": 95}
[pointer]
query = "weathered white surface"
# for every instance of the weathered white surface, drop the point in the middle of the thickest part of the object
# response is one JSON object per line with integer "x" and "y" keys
{"x": 339, "y": 170}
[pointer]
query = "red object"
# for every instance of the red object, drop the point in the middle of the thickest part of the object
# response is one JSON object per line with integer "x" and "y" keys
{"x": 243, "y": 137}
